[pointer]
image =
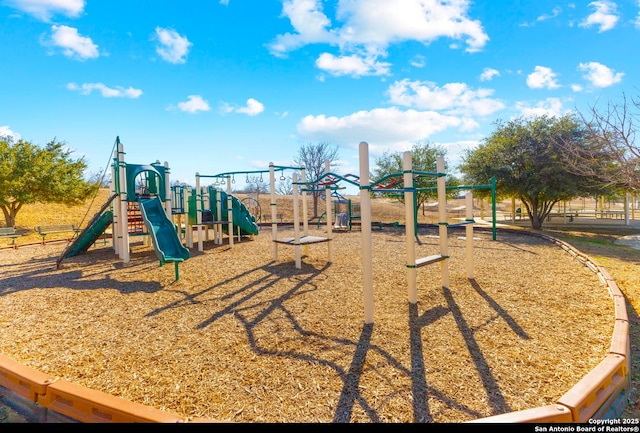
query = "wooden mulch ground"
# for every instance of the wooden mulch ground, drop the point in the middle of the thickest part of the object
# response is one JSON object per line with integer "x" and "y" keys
{"x": 241, "y": 338}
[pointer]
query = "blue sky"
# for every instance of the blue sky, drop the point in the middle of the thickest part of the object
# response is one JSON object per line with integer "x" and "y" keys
{"x": 214, "y": 86}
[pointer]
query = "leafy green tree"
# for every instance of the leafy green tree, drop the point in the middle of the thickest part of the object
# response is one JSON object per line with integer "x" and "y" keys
{"x": 424, "y": 157}
{"x": 313, "y": 157}
{"x": 29, "y": 174}
{"x": 527, "y": 158}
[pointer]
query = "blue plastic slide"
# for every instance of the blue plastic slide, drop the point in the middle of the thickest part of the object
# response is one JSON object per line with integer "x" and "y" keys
{"x": 163, "y": 232}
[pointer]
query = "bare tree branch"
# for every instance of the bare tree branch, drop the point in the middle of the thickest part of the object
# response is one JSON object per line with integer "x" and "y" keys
{"x": 612, "y": 131}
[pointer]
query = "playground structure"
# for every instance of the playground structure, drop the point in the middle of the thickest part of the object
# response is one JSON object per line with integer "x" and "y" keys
{"x": 146, "y": 201}
{"x": 387, "y": 184}
{"x": 210, "y": 207}
{"x": 143, "y": 207}
{"x": 140, "y": 206}
{"x": 298, "y": 240}
{"x": 143, "y": 203}
{"x": 345, "y": 211}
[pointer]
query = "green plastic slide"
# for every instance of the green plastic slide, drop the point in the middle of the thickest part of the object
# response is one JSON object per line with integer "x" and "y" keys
{"x": 89, "y": 235}
{"x": 163, "y": 232}
{"x": 242, "y": 218}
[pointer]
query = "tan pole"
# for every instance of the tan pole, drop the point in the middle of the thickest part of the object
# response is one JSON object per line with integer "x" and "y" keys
{"x": 365, "y": 215}
{"x": 229, "y": 212}
{"x": 305, "y": 220}
{"x": 410, "y": 231}
{"x": 124, "y": 218}
{"x": 442, "y": 225}
{"x": 274, "y": 211}
{"x": 296, "y": 221}
{"x": 327, "y": 194}
{"x": 115, "y": 226}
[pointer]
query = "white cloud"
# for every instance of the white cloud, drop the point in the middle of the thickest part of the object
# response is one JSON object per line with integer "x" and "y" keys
{"x": 549, "y": 107}
{"x": 577, "y": 88}
{"x": 253, "y": 108}
{"x": 309, "y": 23}
{"x": 368, "y": 27}
{"x": 224, "y": 2}
{"x": 173, "y": 47}
{"x": 452, "y": 98}
{"x": 72, "y": 43}
{"x": 418, "y": 61}
{"x": 605, "y": 16}
{"x": 381, "y": 22}
{"x": 6, "y": 132}
{"x": 351, "y": 65}
{"x": 194, "y": 104}
{"x": 554, "y": 13}
{"x": 599, "y": 75}
{"x": 106, "y": 92}
{"x": 45, "y": 9}
{"x": 488, "y": 74}
{"x": 542, "y": 78}
{"x": 382, "y": 128}
{"x": 422, "y": 109}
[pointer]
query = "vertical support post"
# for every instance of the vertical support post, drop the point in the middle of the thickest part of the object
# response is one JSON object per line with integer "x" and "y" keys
{"x": 188, "y": 226}
{"x": 219, "y": 214}
{"x": 442, "y": 224}
{"x": 365, "y": 215}
{"x": 274, "y": 211}
{"x": 230, "y": 212}
{"x": 296, "y": 221}
{"x": 115, "y": 226}
{"x": 198, "y": 200}
{"x": 327, "y": 194}
{"x": 124, "y": 219}
{"x": 305, "y": 210}
{"x": 185, "y": 207}
{"x": 200, "y": 235}
{"x": 206, "y": 205}
{"x": 410, "y": 227}
{"x": 167, "y": 191}
{"x": 469, "y": 233}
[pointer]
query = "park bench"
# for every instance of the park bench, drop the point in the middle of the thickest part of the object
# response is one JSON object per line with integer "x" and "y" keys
{"x": 9, "y": 233}
{"x": 56, "y": 228}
